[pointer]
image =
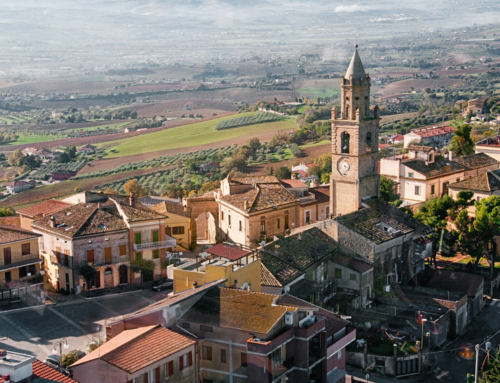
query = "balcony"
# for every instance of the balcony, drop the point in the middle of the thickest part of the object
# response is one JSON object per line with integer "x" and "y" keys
{"x": 169, "y": 242}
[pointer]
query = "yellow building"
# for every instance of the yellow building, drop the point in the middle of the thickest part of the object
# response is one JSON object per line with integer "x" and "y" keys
{"x": 19, "y": 256}
{"x": 239, "y": 267}
{"x": 179, "y": 224}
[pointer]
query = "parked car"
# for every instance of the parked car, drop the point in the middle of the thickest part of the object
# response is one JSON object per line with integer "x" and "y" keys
{"x": 54, "y": 361}
{"x": 162, "y": 284}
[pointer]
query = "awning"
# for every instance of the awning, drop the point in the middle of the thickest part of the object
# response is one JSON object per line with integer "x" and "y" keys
{"x": 16, "y": 265}
{"x": 335, "y": 375}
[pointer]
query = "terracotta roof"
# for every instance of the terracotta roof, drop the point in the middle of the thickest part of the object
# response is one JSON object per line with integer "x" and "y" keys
{"x": 166, "y": 207}
{"x": 450, "y": 280}
{"x": 487, "y": 182}
{"x": 17, "y": 183}
{"x": 229, "y": 252}
{"x": 10, "y": 233}
{"x": 492, "y": 141}
{"x": 237, "y": 309}
{"x": 322, "y": 193}
{"x": 420, "y": 148}
{"x": 365, "y": 222}
{"x": 82, "y": 219}
{"x": 267, "y": 278}
{"x": 136, "y": 212}
{"x": 10, "y": 221}
{"x": 293, "y": 183}
{"x": 333, "y": 322}
{"x": 262, "y": 196}
{"x": 43, "y": 208}
{"x": 382, "y": 146}
{"x": 437, "y": 168}
{"x": 133, "y": 350}
{"x": 475, "y": 161}
{"x": 434, "y": 132}
{"x": 43, "y": 371}
{"x": 254, "y": 179}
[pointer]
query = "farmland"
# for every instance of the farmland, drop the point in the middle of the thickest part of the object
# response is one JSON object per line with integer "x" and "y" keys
{"x": 195, "y": 135}
{"x": 254, "y": 119}
{"x": 45, "y": 171}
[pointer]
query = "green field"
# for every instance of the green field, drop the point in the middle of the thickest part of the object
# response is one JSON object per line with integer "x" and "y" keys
{"x": 318, "y": 92}
{"x": 302, "y": 109}
{"x": 200, "y": 133}
{"x": 101, "y": 127}
{"x": 30, "y": 139}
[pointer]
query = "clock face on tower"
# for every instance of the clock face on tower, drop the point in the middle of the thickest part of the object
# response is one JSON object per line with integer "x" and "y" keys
{"x": 343, "y": 166}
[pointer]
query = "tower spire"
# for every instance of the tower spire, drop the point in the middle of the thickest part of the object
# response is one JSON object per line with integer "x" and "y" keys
{"x": 356, "y": 68}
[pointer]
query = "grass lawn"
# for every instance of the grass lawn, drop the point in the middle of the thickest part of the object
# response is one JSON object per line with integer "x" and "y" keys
{"x": 302, "y": 109}
{"x": 199, "y": 133}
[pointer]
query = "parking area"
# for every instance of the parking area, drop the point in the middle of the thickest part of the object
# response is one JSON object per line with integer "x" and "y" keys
{"x": 35, "y": 330}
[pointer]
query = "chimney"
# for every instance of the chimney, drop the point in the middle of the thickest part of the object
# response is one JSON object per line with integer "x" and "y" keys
{"x": 450, "y": 156}
{"x": 52, "y": 221}
{"x": 6, "y": 378}
{"x": 245, "y": 205}
{"x": 131, "y": 198}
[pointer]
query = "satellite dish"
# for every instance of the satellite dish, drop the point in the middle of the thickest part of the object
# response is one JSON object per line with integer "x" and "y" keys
{"x": 169, "y": 255}
{"x": 263, "y": 243}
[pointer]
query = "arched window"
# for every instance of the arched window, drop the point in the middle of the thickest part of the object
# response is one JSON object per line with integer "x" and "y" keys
{"x": 344, "y": 139}
{"x": 369, "y": 142}
{"x": 347, "y": 112}
{"x": 108, "y": 271}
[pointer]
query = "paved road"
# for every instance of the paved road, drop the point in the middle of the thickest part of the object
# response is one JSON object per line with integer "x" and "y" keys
{"x": 35, "y": 330}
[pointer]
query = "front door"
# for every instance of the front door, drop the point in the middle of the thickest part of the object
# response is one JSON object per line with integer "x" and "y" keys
{"x": 7, "y": 256}
{"x": 123, "y": 274}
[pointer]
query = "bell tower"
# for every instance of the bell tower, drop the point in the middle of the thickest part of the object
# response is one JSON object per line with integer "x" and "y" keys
{"x": 354, "y": 143}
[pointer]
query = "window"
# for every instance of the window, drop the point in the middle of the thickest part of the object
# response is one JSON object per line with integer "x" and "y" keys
{"x": 278, "y": 223}
{"x": 138, "y": 238}
{"x": 344, "y": 141}
{"x": 169, "y": 368}
{"x": 222, "y": 216}
{"x": 244, "y": 359}
{"x": 338, "y": 273}
{"x": 155, "y": 236}
{"x": 340, "y": 354}
{"x": 156, "y": 254}
{"x": 308, "y": 216}
{"x": 138, "y": 256}
{"x": 108, "y": 256}
{"x": 327, "y": 212}
{"x": 240, "y": 226}
{"x": 410, "y": 174}
{"x": 353, "y": 277}
{"x": 123, "y": 249}
{"x": 458, "y": 179}
{"x": 23, "y": 271}
{"x": 433, "y": 190}
{"x": 262, "y": 226}
{"x": 185, "y": 360}
{"x": 90, "y": 256}
{"x": 417, "y": 190}
{"x": 25, "y": 248}
{"x": 206, "y": 353}
{"x": 430, "y": 157}
{"x": 66, "y": 257}
{"x": 478, "y": 198}
{"x": 223, "y": 355}
{"x": 58, "y": 254}
{"x": 206, "y": 328}
{"x": 286, "y": 221}
{"x": 229, "y": 219}
{"x": 178, "y": 230}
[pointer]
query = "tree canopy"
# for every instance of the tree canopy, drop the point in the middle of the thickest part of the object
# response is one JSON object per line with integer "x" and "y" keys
{"x": 387, "y": 192}
{"x": 461, "y": 144}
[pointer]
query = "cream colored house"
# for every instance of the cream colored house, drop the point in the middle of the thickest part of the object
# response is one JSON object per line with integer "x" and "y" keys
{"x": 489, "y": 146}
{"x": 483, "y": 185}
{"x": 178, "y": 224}
{"x": 19, "y": 255}
{"x": 252, "y": 209}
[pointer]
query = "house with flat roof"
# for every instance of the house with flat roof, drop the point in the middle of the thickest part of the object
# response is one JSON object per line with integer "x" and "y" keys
{"x": 146, "y": 354}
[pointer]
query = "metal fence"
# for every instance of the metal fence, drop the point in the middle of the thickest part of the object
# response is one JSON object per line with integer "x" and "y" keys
{"x": 28, "y": 292}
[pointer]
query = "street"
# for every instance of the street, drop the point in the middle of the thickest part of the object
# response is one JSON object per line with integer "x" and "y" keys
{"x": 35, "y": 330}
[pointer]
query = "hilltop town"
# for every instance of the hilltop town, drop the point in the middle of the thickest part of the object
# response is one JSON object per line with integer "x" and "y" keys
{"x": 259, "y": 220}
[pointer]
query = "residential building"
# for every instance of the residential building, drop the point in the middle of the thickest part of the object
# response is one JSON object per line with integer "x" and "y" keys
{"x": 20, "y": 367}
{"x": 436, "y": 137}
{"x": 17, "y": 186}
{"x": 315, "y": 205}
{"x": 29, "y": 151}
{"x": 489, "y": 146}
{"x": 87, "y": 149}
{"x": 449, "y": 280}
{"x": 241, "y": 269}
{"x": 483, "y": 185}
{"x": 34, "y": 212}
{"x": 396, "y": 139}
{"x": 422, "y": 173}
{"x": 178, "y": 224}
{"x": 108, "y": 233}
{"x": 253, "y": 337}
{"x": 354, "y": 143}
{"x": 146, "y": 354}
{"x": 474, "y": 106}
{"x": 19, "y": 255}
{"x": 63, "y": 175}
{"x": 312, "y": 266}
{"x": 301, "y": 172}
{"x": 252, "y": 209}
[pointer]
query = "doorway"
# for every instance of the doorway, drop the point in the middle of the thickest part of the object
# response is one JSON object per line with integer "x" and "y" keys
{"x": 7, "y": 256}
{"x": 123, "y": 273}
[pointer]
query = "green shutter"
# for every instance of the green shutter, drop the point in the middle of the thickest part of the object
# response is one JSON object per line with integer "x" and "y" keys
{"x": 138, "y": 256}
{"x": 138, "y": 238}
{"x": 156, "y": 254}
{"x": 155, "y": 236}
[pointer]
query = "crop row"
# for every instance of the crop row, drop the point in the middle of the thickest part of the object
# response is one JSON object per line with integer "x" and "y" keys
{"x": 153, "y": 182}
{"x": 258, "y": 118}
{"x": 46, "y": 170}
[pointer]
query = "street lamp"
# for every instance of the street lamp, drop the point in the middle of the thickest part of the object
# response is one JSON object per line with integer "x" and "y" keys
{"x": 60, "y": 343}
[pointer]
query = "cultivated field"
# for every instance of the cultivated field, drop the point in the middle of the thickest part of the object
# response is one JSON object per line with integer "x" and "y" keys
{"x": 174, "y": 108}
{"x": 198, "y": 134}
{"x": 62, "y": 86}
{"x": 405, "y": 86}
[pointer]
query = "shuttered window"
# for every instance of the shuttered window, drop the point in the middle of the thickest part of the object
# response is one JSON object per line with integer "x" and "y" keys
{"x": 90, "y": 256}
{"x": 25, "y": 248}
{"x": 108, "y": 257}
{"x": 155, "y": 236}
{"x": 123, "y": 249}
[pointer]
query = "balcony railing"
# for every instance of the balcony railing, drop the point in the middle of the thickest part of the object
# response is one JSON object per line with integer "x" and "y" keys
{"x": 169, "y": 242}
